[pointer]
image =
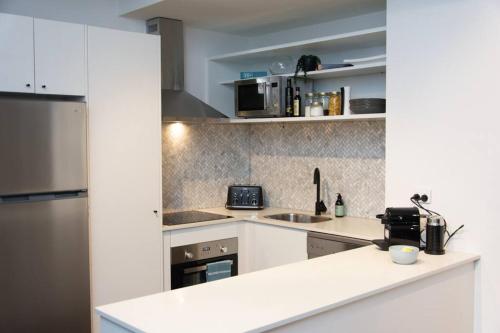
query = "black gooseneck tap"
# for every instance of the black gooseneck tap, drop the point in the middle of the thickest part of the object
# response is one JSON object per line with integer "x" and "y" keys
{"x": 320, "y": 205}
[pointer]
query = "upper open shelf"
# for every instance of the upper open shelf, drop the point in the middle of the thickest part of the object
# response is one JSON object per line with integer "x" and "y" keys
{"x": 333, "y": 43}
{"x": 364, "y": 69}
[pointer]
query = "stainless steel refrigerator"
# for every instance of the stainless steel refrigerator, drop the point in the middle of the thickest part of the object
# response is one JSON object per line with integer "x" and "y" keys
{"x": 44, "y": 239}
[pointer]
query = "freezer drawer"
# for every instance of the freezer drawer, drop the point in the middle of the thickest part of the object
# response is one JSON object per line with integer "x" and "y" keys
{"x": 42, "y": 146}
{"x": 44, "y": 272}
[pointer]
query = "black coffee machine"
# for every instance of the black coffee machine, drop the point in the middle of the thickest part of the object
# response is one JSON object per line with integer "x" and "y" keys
{"x": 402, "y": 227}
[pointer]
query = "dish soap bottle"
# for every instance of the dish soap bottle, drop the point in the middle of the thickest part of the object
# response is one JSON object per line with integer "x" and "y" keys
{"x": 339, "y": 206}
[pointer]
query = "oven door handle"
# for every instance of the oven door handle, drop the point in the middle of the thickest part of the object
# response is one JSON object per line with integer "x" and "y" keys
{"x": 196, "y": 269}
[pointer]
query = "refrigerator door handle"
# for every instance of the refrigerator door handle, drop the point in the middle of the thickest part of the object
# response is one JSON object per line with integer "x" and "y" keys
{"x": 42, "y": 197}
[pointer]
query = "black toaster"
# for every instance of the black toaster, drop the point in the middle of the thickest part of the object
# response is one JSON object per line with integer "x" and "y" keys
{"x": 244, "y": 197}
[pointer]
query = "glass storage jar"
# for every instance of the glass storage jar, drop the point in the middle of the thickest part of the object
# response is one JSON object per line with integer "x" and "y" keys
{"x": 324, "y": 99}
{"x": 317, "y": 109}
{"x": 309, "y": 99}
{"x": 335, "y": 104}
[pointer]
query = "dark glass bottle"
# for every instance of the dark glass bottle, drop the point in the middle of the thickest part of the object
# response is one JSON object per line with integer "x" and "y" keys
{"x": 297, "y": 103}
{"x": 289, "y": 98}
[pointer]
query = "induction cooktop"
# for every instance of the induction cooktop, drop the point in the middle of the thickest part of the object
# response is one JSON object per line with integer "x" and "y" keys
{"x": 191, "y": 216}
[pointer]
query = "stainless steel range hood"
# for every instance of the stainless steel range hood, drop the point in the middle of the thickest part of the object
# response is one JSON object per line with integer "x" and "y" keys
{"x": 177, "y": 104}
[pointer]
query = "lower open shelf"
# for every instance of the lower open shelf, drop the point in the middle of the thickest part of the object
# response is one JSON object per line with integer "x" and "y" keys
{"x": 353, "y": 117}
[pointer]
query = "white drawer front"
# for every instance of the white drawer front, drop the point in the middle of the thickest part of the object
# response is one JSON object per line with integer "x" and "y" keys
{"x": 203, "y": 234}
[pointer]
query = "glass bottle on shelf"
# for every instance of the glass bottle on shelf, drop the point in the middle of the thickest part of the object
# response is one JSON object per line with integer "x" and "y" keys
{"x": 297, "y": 101}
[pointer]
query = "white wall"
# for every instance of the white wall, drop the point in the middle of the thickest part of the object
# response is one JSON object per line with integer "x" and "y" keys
{"x": 199, "y": 45}
{"x": 103, "y": 13}
{"x": 443, "y": 124}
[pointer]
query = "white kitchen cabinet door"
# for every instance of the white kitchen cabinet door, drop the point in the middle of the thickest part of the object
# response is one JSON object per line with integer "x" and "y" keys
{"x": 60, "y": 62}
{"x": 16, "y": 54}
{"x": 271, "y": 246}
{"x": 124, "y": 165}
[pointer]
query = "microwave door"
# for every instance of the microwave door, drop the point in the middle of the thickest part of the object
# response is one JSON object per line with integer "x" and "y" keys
{"x": 250, "y": 98}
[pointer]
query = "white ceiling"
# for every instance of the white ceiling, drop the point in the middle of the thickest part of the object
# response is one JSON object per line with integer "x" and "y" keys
{"x": 251, "y": 17}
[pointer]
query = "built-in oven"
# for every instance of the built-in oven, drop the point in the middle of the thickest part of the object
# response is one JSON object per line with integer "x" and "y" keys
{"x": 203, "y": 262}
{"x": 260, "y": 97}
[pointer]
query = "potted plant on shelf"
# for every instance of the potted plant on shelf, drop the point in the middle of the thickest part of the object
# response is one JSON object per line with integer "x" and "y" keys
{"x": 306, "y": 63}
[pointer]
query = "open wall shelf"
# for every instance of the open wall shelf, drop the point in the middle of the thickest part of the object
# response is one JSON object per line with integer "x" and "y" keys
{"x": 352, "y": 117}
{"x": 365, "y": 69}
{"x": 333, "y": 43}
{"x": 367, "y": 80}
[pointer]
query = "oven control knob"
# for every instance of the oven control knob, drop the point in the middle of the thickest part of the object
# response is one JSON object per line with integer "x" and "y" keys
{"x": 223, "y": 249}
{"x": 188, "y": 255}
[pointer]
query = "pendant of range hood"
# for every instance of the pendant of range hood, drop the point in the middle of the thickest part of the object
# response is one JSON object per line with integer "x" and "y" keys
{"x": 177, "y": 104}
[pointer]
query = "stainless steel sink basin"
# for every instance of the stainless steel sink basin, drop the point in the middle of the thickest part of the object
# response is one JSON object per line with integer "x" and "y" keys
{"x": 298, "y": 218}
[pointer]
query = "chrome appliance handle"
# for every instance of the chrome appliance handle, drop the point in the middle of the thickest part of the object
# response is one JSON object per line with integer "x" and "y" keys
{"x": 196, "y": 269}
{"x": 265, "y": 94}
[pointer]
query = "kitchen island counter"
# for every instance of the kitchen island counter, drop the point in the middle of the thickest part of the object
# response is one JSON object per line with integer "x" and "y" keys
{"x": 350, "y": 291}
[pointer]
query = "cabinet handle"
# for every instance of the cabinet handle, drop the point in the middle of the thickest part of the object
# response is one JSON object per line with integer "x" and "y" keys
{"x": 28, "y": 85}
{"x": 44, "y": 86}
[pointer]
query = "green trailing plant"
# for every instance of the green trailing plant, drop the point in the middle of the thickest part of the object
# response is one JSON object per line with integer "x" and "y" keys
{"x": 306, "y": 63}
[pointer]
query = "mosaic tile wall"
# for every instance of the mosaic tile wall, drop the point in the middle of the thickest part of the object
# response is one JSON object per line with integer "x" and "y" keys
{"x": 350, "y": 156}
{"x": 200, "y": 160}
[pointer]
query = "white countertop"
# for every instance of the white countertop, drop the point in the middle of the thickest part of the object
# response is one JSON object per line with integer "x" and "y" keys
{"x": 355, "y": 227}
{"x": 273, "y": 297}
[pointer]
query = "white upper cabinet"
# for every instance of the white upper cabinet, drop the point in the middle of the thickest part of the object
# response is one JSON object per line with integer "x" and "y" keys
{"x": 16, "y": 54}
{"x": 42, "y": 56}
{"x": 59, "y": 58}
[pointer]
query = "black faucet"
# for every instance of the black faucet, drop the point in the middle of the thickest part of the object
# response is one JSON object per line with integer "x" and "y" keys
{"x": 320, "y": 205}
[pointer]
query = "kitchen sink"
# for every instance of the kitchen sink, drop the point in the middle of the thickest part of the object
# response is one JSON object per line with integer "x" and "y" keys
{"x": 298, "y": 218}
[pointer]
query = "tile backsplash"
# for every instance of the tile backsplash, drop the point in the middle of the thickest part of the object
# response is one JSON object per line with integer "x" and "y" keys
{"x": 201, "y": 160}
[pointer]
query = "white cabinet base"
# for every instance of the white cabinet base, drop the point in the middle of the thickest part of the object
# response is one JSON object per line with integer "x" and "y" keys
{"x": 441, "y": 303}
{"x": 270, "y": 246}
{"x": 259, "y": 246}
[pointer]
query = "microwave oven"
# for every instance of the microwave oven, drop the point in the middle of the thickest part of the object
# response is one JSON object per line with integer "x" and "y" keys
{"x": 265, "y": 96}
{"x": 260, "y": 97}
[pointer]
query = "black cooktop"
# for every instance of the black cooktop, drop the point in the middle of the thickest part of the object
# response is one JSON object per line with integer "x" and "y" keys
{"x": 191, "y": 216}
